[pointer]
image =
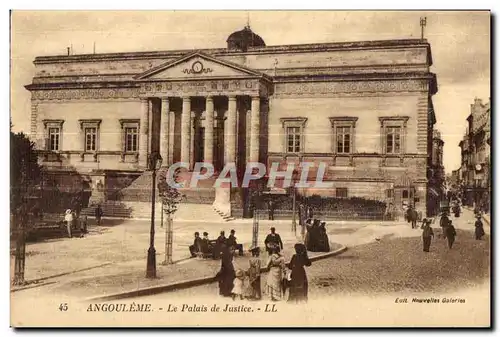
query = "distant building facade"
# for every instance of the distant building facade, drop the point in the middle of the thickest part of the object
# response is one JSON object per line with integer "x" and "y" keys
{"x": 475, "y": 170}
{"x": 362, "y": 108}
{"x": 437, "y": 177}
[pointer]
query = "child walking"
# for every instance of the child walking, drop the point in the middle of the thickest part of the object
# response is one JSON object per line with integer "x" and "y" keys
{"x": 238, "y": 284}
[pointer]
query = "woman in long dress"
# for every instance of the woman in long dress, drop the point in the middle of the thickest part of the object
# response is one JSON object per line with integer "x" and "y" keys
{"x": 254, "y": 291}
{"x": 226, "y": 274}
{"x": 299, "y": 284}
{"x": 276, "y": 265}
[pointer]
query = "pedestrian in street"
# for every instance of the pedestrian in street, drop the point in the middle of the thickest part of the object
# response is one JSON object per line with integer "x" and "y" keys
{"x": 195, "y": 248}
{"x": 276, "y": 265}
{"x": 298, "y": 284}
{"x": 307, "y": 237}
{"x": 226, "y": 274}
{"x": 270, "y": 206}
{"x": 443, "y": 222}
{"x": 310, "y": 212}
{"x": 98, "y": 214}
{"x": 427, "y": 234}
{"x": 273, "y": 240}
{"x": 450, "y": 233}
{"x": 68, "y": 218}
{"x": 83, "y": 225}
{"x": 412, "y": 217}
{"x": 323, "y": 241}
{"x": 254, "y": 290}
{"x": 479, "y": 229}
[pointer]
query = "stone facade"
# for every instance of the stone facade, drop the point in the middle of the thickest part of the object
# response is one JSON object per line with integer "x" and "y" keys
{"x": 341, "y": 101}
{"x": 475, "y": 170}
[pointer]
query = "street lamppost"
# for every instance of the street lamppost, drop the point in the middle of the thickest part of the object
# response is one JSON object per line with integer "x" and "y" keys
{"x": 154, "y": 164}
{"x": 294, "y": 191}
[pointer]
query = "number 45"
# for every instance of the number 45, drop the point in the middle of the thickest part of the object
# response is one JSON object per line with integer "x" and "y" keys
{"x": 63, "y": 307}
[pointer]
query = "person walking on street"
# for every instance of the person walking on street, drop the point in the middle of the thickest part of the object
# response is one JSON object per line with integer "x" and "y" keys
{"x": 98, "y": 214}
{"x": 271, "y": 209}
{"x": 427, "y": 234}
{"x": 412, "y": 217}
{"x": 443, "y": 223}
{"x": 479, "y": 231}
{"x": 450, "y": 233}
{"x": 298, "y": 283}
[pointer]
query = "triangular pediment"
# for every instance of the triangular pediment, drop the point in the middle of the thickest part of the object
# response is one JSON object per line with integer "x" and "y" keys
{"x": 198, "y": 65}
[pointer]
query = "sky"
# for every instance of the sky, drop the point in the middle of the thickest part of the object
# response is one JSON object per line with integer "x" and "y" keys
{"x": 460, "y": 43}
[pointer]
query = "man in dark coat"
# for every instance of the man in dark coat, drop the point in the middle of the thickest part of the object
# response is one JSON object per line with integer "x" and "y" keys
{"x": 450, "y": 233}
{"x": 479, "y": 231}
{"x": 233, "y": 244}
{"x": 195, "y": 248}
{"x": 221, "y": 240}
{"x": 273, "y": 239}
{"x": 98, "y": 214}
{"x": 443, "y": 223}
{"x": 427, "y": 234}
{"x": 412, "y": 217}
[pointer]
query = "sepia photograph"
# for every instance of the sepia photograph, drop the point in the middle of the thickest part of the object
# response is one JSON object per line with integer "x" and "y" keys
{"x": 250, "y": 168}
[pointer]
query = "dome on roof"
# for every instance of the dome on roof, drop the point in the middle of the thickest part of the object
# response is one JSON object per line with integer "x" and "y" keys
{"x": 244, "y": 39}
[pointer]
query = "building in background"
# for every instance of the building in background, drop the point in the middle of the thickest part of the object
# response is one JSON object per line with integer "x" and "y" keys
{"x": 362, "y": 108}
{"x": 437, "y": 190}
{"x": 475, "y": 167}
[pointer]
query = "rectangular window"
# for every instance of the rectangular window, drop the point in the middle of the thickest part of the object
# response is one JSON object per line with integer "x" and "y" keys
{"x": 54, "y": 138}
{"x": 293, "y": 139}
{"x": 131, "y": 137}
{"x": 90, "y": 139}
{"x": 341, "y": 192}
{"x": 343, "y": 139}
{"x": 389, "y": 193}
{"x": 393, "y": 139}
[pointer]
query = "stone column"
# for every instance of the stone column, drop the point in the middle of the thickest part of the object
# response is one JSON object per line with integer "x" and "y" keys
{"x": 231, "y": 131}
{"x": 171, "y": 134}
{"x": 255, "y": 130}
{"x": 143, "y": 137}
{"x": 150, "y": 124}
{"x": 164, "y": 130}
{"x": 209, "y": 130}
{"x": 194, "y": 129}
{"x": 185, "y": 129}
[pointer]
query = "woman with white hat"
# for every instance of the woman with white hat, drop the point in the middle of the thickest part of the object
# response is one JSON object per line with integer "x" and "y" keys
{"x": 68, "y": 218}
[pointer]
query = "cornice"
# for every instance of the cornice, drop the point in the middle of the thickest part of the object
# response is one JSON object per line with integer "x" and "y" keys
{"x": 296, "y": 48}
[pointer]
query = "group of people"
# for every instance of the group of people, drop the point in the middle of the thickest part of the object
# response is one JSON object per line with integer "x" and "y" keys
{"x": 72, "y": 219}
{"x": 316, "y": 239}
{"x": 246, "y": 283}
{"x": 204, "y": 247}
{"x": 448, "y": 230}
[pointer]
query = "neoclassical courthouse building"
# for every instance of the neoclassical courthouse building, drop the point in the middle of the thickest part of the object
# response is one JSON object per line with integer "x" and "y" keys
{"x": 363, "y": 108}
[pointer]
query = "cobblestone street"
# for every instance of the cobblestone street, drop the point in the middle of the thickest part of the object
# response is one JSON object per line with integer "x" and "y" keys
{"x": 395, "y": 265}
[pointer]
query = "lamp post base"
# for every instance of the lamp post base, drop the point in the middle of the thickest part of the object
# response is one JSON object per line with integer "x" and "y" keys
{"x": 151, "y": 267}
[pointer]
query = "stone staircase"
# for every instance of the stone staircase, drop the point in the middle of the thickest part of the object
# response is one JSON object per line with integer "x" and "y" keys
{"x": 115, "y": 209}
{"x": 185, "y": 211}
